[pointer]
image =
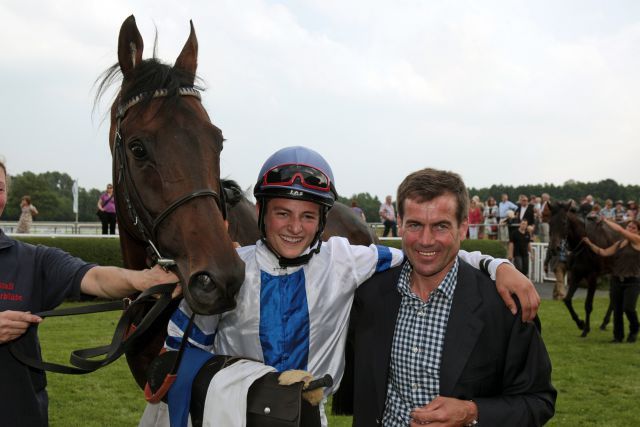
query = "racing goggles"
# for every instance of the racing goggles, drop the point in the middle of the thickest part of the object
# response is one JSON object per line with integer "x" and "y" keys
{"x": 309, "y": 177}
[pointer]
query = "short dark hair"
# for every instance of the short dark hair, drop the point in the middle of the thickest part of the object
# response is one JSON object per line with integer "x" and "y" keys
{"x": 427, "y": 184}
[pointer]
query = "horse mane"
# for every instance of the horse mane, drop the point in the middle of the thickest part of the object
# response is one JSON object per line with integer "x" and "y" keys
{"x": 147, "y": 77}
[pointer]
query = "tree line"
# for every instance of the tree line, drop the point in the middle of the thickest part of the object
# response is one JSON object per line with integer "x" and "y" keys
{"x": 51, "y": 193}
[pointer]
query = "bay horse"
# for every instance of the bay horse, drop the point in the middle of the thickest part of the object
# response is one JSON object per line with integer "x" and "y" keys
{"x": 582, "y": 263}
{"x": 243, "y": 220}
{"x": 166, "y": 173}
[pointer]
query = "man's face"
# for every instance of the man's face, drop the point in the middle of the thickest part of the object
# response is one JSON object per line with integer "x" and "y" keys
{"x": 290, "y": 225}
{"x": 388, "y": 200}
{"x": 504, "y": 197}
{"x": 524, "y": 201}
{"x": 431, "y": 236}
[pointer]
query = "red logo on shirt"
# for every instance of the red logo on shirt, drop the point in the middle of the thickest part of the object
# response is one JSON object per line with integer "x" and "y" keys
{"x": 9, "y": 296}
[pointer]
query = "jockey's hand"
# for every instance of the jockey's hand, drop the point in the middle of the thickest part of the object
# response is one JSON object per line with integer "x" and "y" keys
{"x": 294, "y": 376}
{"x": 15, "y": 323}
{"x": 511, "y": 281}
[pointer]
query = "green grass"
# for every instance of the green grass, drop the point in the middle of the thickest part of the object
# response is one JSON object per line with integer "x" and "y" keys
{"x": 598, "y": 382}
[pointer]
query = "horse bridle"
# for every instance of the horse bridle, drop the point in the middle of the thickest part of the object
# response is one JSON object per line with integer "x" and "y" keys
{"x": 128, "y": 188}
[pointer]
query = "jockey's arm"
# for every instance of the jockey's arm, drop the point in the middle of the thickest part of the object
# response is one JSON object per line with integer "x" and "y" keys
{"x": 508, "y": 281}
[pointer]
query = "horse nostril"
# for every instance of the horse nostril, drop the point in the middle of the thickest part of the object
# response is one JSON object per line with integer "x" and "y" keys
{"x": 203, "y": 282}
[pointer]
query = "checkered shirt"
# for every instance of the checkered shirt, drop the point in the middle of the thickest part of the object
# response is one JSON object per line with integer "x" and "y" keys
{"x": 414, "y": 374}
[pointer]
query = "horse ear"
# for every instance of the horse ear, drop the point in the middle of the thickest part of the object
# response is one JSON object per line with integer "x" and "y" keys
{"x": 188, "y": 58}
{"x": 130, "y": 45}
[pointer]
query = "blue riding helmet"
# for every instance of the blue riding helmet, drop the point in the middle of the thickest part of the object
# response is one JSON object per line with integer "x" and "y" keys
{"x": 297, "y": 173}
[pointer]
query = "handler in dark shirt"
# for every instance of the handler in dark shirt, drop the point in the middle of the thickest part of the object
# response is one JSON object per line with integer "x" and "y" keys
{"x": 38, "y": 278}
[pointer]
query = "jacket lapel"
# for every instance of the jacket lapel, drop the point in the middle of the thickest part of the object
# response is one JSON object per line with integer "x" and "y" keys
{"x": 389, "y": 305}
{"x": 463, "y": 329}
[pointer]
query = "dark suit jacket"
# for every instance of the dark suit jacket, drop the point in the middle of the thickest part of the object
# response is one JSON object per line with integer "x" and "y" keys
{"x": 489, "y": 355}
{"x": 528, "y": 214}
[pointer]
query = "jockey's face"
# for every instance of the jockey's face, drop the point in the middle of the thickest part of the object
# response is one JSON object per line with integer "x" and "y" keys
{"x": 291, "y": 225}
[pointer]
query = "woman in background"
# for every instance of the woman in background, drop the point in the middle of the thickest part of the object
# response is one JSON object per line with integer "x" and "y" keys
{"x": 625, "y": 277}
{"x": 27, "y": 212}
{"x": 107, "y": 211}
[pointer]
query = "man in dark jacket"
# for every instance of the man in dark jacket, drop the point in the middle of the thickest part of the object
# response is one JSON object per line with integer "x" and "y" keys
{"x": 432, "y": 340}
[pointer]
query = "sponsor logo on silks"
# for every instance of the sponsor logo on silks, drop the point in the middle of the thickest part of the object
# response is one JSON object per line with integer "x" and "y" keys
{"x": 295, "y": 193}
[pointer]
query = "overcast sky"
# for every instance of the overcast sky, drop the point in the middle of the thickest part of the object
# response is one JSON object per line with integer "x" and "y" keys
{"x": 513, "y": 92}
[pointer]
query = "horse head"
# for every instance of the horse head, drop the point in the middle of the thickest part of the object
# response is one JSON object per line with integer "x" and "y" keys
{"x": 166, "y": 172}
{"x": 243, "y": 220}
{"x": 558, "y": 223}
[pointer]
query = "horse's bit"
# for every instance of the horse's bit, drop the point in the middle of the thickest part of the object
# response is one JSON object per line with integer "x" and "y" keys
{"x": 128, "y": 187}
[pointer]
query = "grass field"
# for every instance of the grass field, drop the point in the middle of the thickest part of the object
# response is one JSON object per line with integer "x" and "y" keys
{"x": 598, "y": 382}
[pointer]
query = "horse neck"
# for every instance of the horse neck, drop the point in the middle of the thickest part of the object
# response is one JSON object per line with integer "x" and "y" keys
{"x": 576, "y": 231}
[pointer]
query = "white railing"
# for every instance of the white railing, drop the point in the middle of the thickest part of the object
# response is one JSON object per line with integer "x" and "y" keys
{"x": 41, "y": 228}
{"x": 94, "y": 229}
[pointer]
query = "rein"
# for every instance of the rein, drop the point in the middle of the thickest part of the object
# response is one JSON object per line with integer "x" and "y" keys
{"x": 145, "y": 224}
{"x": 83, "y": 361}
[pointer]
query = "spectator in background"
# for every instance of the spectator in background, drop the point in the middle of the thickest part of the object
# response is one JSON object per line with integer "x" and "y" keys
{"x": 475, "y": 219}
{"x": 607, "y": 211}
{"x": 586, "y": 206}
{"x": 520, "y": 247}
{"x": 536, "y": 202}
{"x": 388, "y": 218}
{"x": 619, "y": 211}
{"x": 556, "y": 261}
{"x": 595, "y": 211}
{"x": 545, "y": 217}
{"x": 479, "y": 203}
{"x": 525, "y": 210}
{"x": 490, "y": 215}
{"x": 107, "y": 211}
{"x": 506, "y": 226}
{"x": 625, "y": 277}
{"x": 27, "y": 212}
{"x": 358, "y": 211}
{"x": 632, "y": 211}
{"x": 504, "y": 206}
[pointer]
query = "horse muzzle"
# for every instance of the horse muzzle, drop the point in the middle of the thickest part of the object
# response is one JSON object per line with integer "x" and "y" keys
{"x": 206, "y": 295}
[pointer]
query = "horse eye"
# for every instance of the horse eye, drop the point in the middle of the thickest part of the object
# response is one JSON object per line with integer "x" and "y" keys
{"x": 137, "y": 148}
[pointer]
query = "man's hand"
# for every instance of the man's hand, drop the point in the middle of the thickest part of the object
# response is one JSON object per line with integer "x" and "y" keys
{"x": 15, "y": 323}
{"x": 158, "y": 275}
{"x": 445, "y": 412}
{"x": 511, "y": 281}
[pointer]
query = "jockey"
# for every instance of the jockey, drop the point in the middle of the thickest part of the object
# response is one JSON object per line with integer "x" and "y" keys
{"x": 293, "y": 308}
